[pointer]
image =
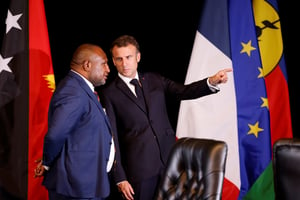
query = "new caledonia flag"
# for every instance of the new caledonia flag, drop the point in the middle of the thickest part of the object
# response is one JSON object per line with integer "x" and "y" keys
{"x": 26, "y": 86}
{"x": 252, "y": 109}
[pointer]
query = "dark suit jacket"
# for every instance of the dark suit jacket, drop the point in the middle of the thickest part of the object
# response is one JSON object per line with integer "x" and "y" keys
{"x": 77, "y": 144}
{"x": 144, "y": 137}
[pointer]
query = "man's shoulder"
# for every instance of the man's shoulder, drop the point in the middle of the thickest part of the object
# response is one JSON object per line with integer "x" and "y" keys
{"x": 149, "y": 75}
{"x": 109, "y": 86}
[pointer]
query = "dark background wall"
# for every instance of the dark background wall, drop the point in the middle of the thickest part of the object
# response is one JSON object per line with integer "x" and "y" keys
{"x": 164, "y": 29}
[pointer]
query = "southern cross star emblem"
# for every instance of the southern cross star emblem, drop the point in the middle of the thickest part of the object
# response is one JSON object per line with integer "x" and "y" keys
{"x": 12, "y": 21}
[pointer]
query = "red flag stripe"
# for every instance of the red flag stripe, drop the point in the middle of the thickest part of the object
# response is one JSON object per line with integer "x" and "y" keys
{"x": 41, "y": 80}
{"x": 280, "y": 116}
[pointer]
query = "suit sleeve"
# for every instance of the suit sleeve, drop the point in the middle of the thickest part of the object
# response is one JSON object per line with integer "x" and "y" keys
{"x": 189, "y": 91}
{"x": 63, "y": 109}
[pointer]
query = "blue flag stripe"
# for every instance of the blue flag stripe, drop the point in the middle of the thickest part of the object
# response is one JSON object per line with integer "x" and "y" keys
{"x": 215, "y": 12}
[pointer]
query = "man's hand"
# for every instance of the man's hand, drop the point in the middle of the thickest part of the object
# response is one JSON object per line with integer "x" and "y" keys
{"x": 39, "y": 170}
{"x": 219, "y": 77}
{"x": 127, "y": 191}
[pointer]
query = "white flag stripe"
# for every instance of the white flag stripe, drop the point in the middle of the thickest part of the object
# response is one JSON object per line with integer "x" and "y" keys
{"x": 213, "y": 116}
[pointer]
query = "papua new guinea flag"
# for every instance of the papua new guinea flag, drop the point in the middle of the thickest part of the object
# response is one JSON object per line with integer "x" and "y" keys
{"x": 26, "y": 86}
{"x": 252, "y": 109}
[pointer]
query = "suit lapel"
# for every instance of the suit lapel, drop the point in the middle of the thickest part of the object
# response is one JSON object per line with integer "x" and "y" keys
{"x": 121, "y": 85}
{"x": 90, "y": 93}
{"x": 145, "y": 86}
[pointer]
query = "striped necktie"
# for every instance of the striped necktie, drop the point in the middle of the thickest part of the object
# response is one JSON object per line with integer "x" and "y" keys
{"x": 96, "y": 93}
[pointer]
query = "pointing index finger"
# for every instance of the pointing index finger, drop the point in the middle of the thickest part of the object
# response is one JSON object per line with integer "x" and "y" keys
{"x": 228, "y": 70}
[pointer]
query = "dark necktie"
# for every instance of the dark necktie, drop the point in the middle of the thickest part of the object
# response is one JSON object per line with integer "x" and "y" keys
{"x": 138, "y": 91}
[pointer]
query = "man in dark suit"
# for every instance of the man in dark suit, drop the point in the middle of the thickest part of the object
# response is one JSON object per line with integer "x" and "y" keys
{"x": 78, "y": 147}
{"x": 144, "y": 135}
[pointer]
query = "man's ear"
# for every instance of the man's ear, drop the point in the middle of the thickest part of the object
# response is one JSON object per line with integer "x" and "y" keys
{"x": 86, "y": 65}
{"x": 113, "y": 60}
{"x": 138, "y": 57}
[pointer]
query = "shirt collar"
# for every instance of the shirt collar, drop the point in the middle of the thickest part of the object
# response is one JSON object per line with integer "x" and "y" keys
{"x": 87, "y": 81}
{"x": 126, "y": 79}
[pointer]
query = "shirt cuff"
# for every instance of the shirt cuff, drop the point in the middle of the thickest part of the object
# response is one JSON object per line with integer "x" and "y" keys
{"x": 213, "y": 88}
{"x": 46, "y": 167}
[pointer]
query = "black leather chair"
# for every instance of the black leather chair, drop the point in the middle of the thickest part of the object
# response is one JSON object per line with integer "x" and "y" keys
{"x": 195, "y": 170}
{"x": 286, "y": 169}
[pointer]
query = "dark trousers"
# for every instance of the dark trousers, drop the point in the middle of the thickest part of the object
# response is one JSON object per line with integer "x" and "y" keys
{"x": 144, "y": 190}
{"x": 56, "y": 196}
